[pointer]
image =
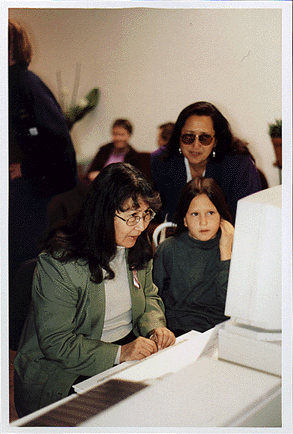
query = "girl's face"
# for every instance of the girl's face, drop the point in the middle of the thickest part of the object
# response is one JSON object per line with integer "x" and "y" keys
{"x": 125, "y": 235}
{"x": 202, "y": 218}
{"x": 120, "y": 138}
{"x": 197, "y": 153}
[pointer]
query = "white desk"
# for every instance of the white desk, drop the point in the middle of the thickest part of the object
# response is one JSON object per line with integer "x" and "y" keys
{"x": 194, "y": 389}
{"x": 208, "y": 393}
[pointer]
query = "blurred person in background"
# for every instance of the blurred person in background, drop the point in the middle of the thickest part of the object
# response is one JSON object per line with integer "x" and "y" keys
{"x": 119, "y": 151}
{"x": 164, "y": 133}
{"x": 42, "y": 161}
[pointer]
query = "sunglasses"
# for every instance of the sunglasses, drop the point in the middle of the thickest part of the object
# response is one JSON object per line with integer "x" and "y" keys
{"x": 205, "y": 139}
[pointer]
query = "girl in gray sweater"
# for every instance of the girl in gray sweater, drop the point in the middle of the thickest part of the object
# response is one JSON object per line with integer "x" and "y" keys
{"x": 191, "y": 268}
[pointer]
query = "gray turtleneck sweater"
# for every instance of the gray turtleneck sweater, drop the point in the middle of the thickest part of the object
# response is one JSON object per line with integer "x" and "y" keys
{"x": 192, "y": 282}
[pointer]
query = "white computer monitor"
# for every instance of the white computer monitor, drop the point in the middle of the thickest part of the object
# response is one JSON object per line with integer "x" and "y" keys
{"x": 255, "y": 283}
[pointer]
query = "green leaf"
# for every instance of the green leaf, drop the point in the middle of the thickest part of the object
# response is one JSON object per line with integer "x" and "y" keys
{"x": 275, "y": 130}
{"x": 93, "y": 97}
{"x": 76, "y": 113}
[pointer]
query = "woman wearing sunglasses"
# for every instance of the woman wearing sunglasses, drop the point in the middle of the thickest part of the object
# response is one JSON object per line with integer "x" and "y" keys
{"x": 94, "y": 304}
{"x": 202, "y": 145}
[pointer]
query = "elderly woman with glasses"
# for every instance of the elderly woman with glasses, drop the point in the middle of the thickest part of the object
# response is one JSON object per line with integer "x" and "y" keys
{"x": 202, "y": 145}
{"x": 94, "y": 304}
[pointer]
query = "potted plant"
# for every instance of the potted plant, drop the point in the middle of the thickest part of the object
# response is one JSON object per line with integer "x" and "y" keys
{"x": 275, "y": 132}
{"x": 76, "y": 111}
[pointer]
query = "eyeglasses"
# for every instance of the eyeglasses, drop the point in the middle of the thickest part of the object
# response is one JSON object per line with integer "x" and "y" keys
{"x": 205, "y": 139}
{"x": 135, "y": 219}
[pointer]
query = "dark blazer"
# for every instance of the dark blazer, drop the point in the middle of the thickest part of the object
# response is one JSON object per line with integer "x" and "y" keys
{"x": 38, "y": 128}
{"x": 140, "y": 160}
{"x": 237, "y": 175}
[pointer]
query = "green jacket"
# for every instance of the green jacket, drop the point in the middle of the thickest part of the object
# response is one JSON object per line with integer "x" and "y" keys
{"x": 61, "y": 338}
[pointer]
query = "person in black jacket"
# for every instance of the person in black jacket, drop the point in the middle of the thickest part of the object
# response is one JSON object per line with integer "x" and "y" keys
{"x": 42, "y": 161}
{"x": 202, "y": 144}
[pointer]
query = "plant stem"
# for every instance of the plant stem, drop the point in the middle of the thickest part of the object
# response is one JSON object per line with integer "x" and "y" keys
{"x": 59, "y": 87}
{"x": 76, "y": 84}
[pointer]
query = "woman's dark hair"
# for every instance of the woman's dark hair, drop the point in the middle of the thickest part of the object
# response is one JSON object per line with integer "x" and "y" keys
{"x": 193, "y": 188}
{"x": 91, "y": 237}
{"x": 19, "y": 42}
{"x": 124, "y": 123}
{"x": 225, "y": 142}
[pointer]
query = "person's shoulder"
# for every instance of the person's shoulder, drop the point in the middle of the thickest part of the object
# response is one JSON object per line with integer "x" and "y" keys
{"x": 168, "y": 244}
{"x": 159, "y": 157}
{"x": 132, "y": 151}
{"x": 242, "y": 162}
{"x": 32, "y": 79}
{"x": 174, "y": 247}
{"x": 158, "y": 153}
{"x": 164, "y": 252}
{"x": 73, "y": 268}
{"x": 240, "y": 157}
{"x": 106, "y": 147}
{"x": 28, "y": 73}
{"x": 34, "y": 85}
{"x": 23, "y": 76}
{"x": 235, "y": 160}
{"x": 70, "y": 274}
{"x": 48, "y": 264}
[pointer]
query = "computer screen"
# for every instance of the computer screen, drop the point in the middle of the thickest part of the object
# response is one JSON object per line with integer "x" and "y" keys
{"x": 254, "y": 291}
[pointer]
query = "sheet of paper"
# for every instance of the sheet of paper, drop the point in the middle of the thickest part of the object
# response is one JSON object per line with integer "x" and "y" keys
{"x": 186, "y": 350}
{"x": 170, "y": 360}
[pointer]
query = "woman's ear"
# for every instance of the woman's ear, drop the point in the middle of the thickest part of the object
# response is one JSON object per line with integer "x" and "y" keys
{"x": 184, "y": 221}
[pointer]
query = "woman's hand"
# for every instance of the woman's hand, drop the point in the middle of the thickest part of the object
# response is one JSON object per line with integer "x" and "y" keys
{"x": 163, "y": 337}
{"x": 226, "y": 240}
{"x": 137, "y": 349}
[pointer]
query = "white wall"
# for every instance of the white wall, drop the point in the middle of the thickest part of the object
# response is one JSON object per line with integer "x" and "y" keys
{"x": 150, "y": 63}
